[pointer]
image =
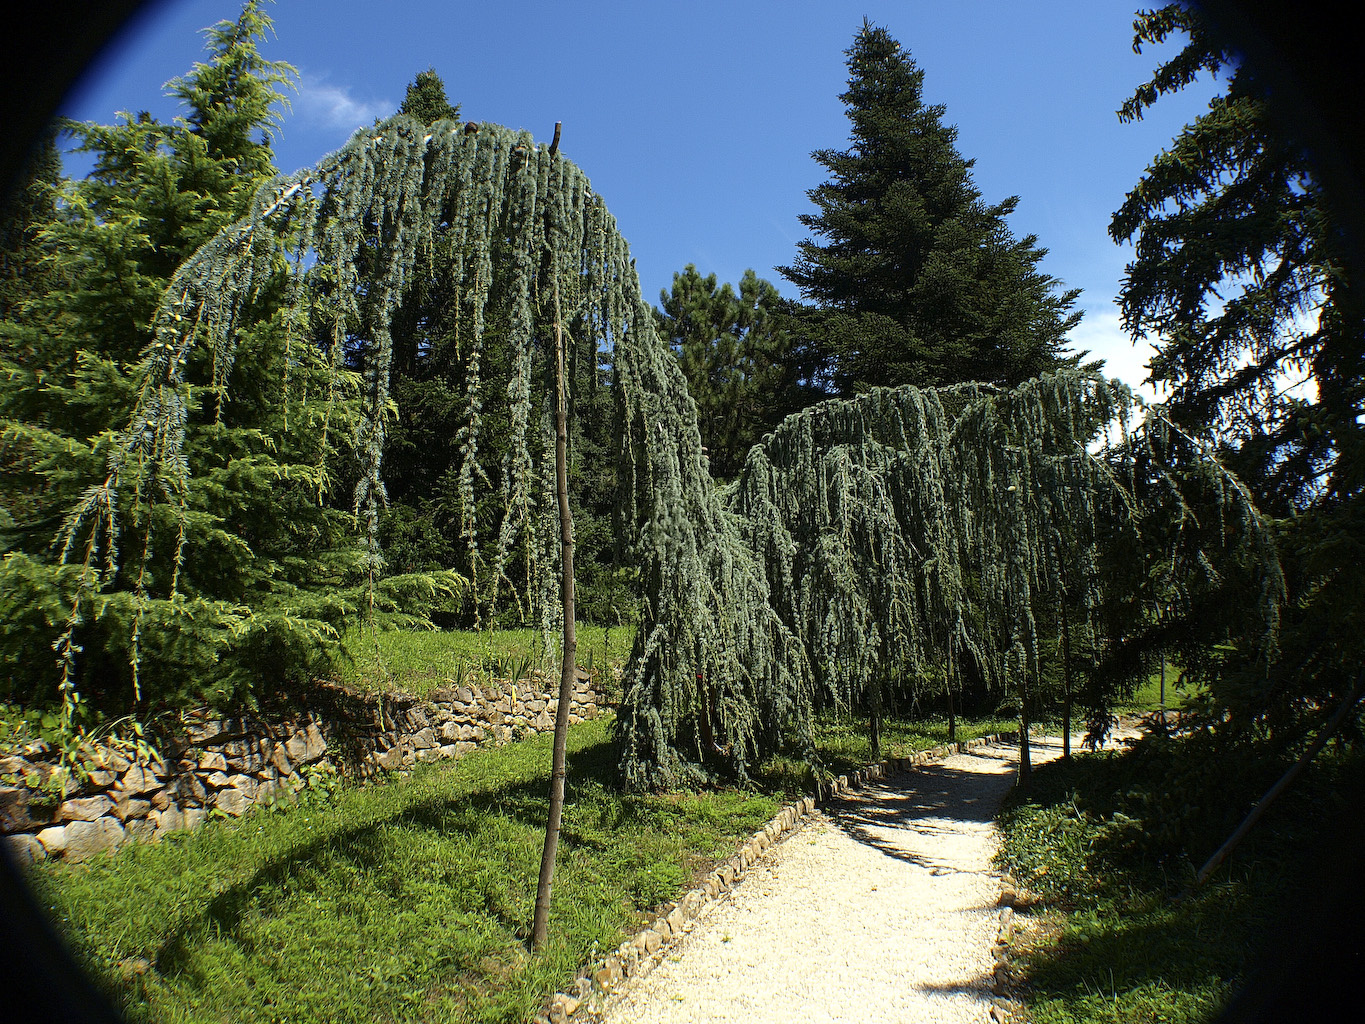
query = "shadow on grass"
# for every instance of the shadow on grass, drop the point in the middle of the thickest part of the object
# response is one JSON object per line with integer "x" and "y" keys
{"x": 1136, "y": 943}
{"x": 364, "y": 847}
{"x": 1150, "y": 944}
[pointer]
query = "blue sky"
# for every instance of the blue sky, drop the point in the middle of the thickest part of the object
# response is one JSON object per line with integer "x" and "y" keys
{"x": 696, "y": 121}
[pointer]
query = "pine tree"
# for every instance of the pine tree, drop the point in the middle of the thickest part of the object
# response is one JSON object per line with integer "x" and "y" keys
{"x": 1238, "y": 277}
{"x": 426, "y": 99}
{"x": 262, "y": 570}
{"x": 917, "y": 280}
{"x": 23, "y": 216}
{"x": 733, "y": 355}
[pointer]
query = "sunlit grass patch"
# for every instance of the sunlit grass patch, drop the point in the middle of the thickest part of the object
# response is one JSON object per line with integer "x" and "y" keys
{"x": 844, "y": 745}
{"x": 407, "y": 901}
{"x": 418, "y": 661}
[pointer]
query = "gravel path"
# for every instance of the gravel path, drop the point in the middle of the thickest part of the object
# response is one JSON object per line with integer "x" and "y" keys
{"x": 883, "y": 909}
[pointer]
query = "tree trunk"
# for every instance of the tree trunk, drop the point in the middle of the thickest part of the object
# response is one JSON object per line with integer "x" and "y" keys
{"x": 875, "y": 724}
{"x": 1025, "y": 764}
{"x": 952, "y": 716}
{"x": 1161, "y": 624}
{"x": 1259, "y": 809}
{"x": 1066, "y": 680}
{"x": 540, "y": 927}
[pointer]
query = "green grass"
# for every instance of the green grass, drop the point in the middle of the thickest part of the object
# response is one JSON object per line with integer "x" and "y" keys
{"x": 1123, "y": 941}
{"x": 410, "y": 900}
{"x": 419, "y": 661}
{"x": 1147, "y": 697}
{"x": 406, "y": 901}
{"x": 843, "y": 745}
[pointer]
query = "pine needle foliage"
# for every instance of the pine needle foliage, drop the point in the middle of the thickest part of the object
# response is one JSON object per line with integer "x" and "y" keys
{"x": 332, "y": 250}
{"x": 1240, "y": 278}
{"x": 864, "y": 539}
{"x": 907, "y": 530}
{"x": 912, "y": 278}
{"x": 153, "y": 598}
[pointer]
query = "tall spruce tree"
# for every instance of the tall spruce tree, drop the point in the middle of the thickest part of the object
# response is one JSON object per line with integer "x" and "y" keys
{"x": 917, "y": 279}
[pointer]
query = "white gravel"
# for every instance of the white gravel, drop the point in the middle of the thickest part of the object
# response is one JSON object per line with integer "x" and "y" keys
{"x": 882, "y": 908}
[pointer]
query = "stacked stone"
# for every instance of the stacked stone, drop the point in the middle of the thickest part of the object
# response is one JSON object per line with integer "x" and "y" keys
{"x": 455, "y": 720}
{"x": 218, "y": 765}
{"x": 229, "y": 765}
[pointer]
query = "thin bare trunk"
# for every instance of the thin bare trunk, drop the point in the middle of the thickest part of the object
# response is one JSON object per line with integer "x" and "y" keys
{"x": 1025, "y": 763}
{"x": 1066, "y": 679}
{"x": 1163, "y": 688}
{"x": 952, "y": 679}
{"x": 876, "y": 724}
{"x": 540, "y": 927}
{"x": 952, "y": 715}
{"x": 1271, "y": 794}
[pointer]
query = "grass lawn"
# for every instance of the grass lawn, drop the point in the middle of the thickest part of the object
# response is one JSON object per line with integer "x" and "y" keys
{"x": 410, "y": 900}
{"x": 419, "y": 661}
{"x": 842, "y": 742}
{"x": 1119, "y": 939}
{"x": 399, "y": 902}
{"x": 1147, "y": 697}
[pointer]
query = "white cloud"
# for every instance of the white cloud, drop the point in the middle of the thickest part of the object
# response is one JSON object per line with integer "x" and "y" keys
{"x": 1101, "y": 332}
{"x": 332, "y": 107}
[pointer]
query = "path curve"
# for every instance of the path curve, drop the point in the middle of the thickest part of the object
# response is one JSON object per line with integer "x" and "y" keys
{"x": 882, "y": 908}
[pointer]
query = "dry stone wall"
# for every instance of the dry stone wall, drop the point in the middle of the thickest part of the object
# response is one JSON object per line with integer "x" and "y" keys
{"x": 228, "y": 765}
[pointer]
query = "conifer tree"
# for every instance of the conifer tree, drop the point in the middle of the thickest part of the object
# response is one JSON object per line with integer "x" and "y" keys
{"x": 23, "y": 216}
{"x": 843, "y": 551}
{"x": 1239, "y": 280}
{"x": 426, "y": 99}
{"x": 436, "y": 517}
{"x": 733, "y": 354}
{"x": 263, "y": 570}
{"x": 916, "y": 280}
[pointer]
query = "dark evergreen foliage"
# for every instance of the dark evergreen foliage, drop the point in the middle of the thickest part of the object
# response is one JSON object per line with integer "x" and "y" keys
{"x": 734, "y": 355}
{"x": 427, "y": 524}
{"x": 1238, "y": 279}
{"x": 917, "y": 280}
{"x": 23, "y": 216}
{"x": 426, "y": 100}
{"x": 230, "y": 586}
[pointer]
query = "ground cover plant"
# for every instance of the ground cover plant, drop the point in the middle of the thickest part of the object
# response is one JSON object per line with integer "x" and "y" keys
{"x": 1122, "y": 936}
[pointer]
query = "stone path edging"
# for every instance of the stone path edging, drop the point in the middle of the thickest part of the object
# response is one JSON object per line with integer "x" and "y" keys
{"x": 641, "y": 952}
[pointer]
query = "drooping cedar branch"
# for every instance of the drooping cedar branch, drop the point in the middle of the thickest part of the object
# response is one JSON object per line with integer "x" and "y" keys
{"x": 866, "y": 540}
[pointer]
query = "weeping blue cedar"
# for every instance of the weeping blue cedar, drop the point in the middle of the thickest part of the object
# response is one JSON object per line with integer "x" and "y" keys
{"x": 843, "y": 553}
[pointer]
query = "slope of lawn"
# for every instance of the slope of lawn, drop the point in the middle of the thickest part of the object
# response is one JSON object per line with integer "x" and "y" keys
{"x": 406, "y": 901}
{"x": 421, "y": 660}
